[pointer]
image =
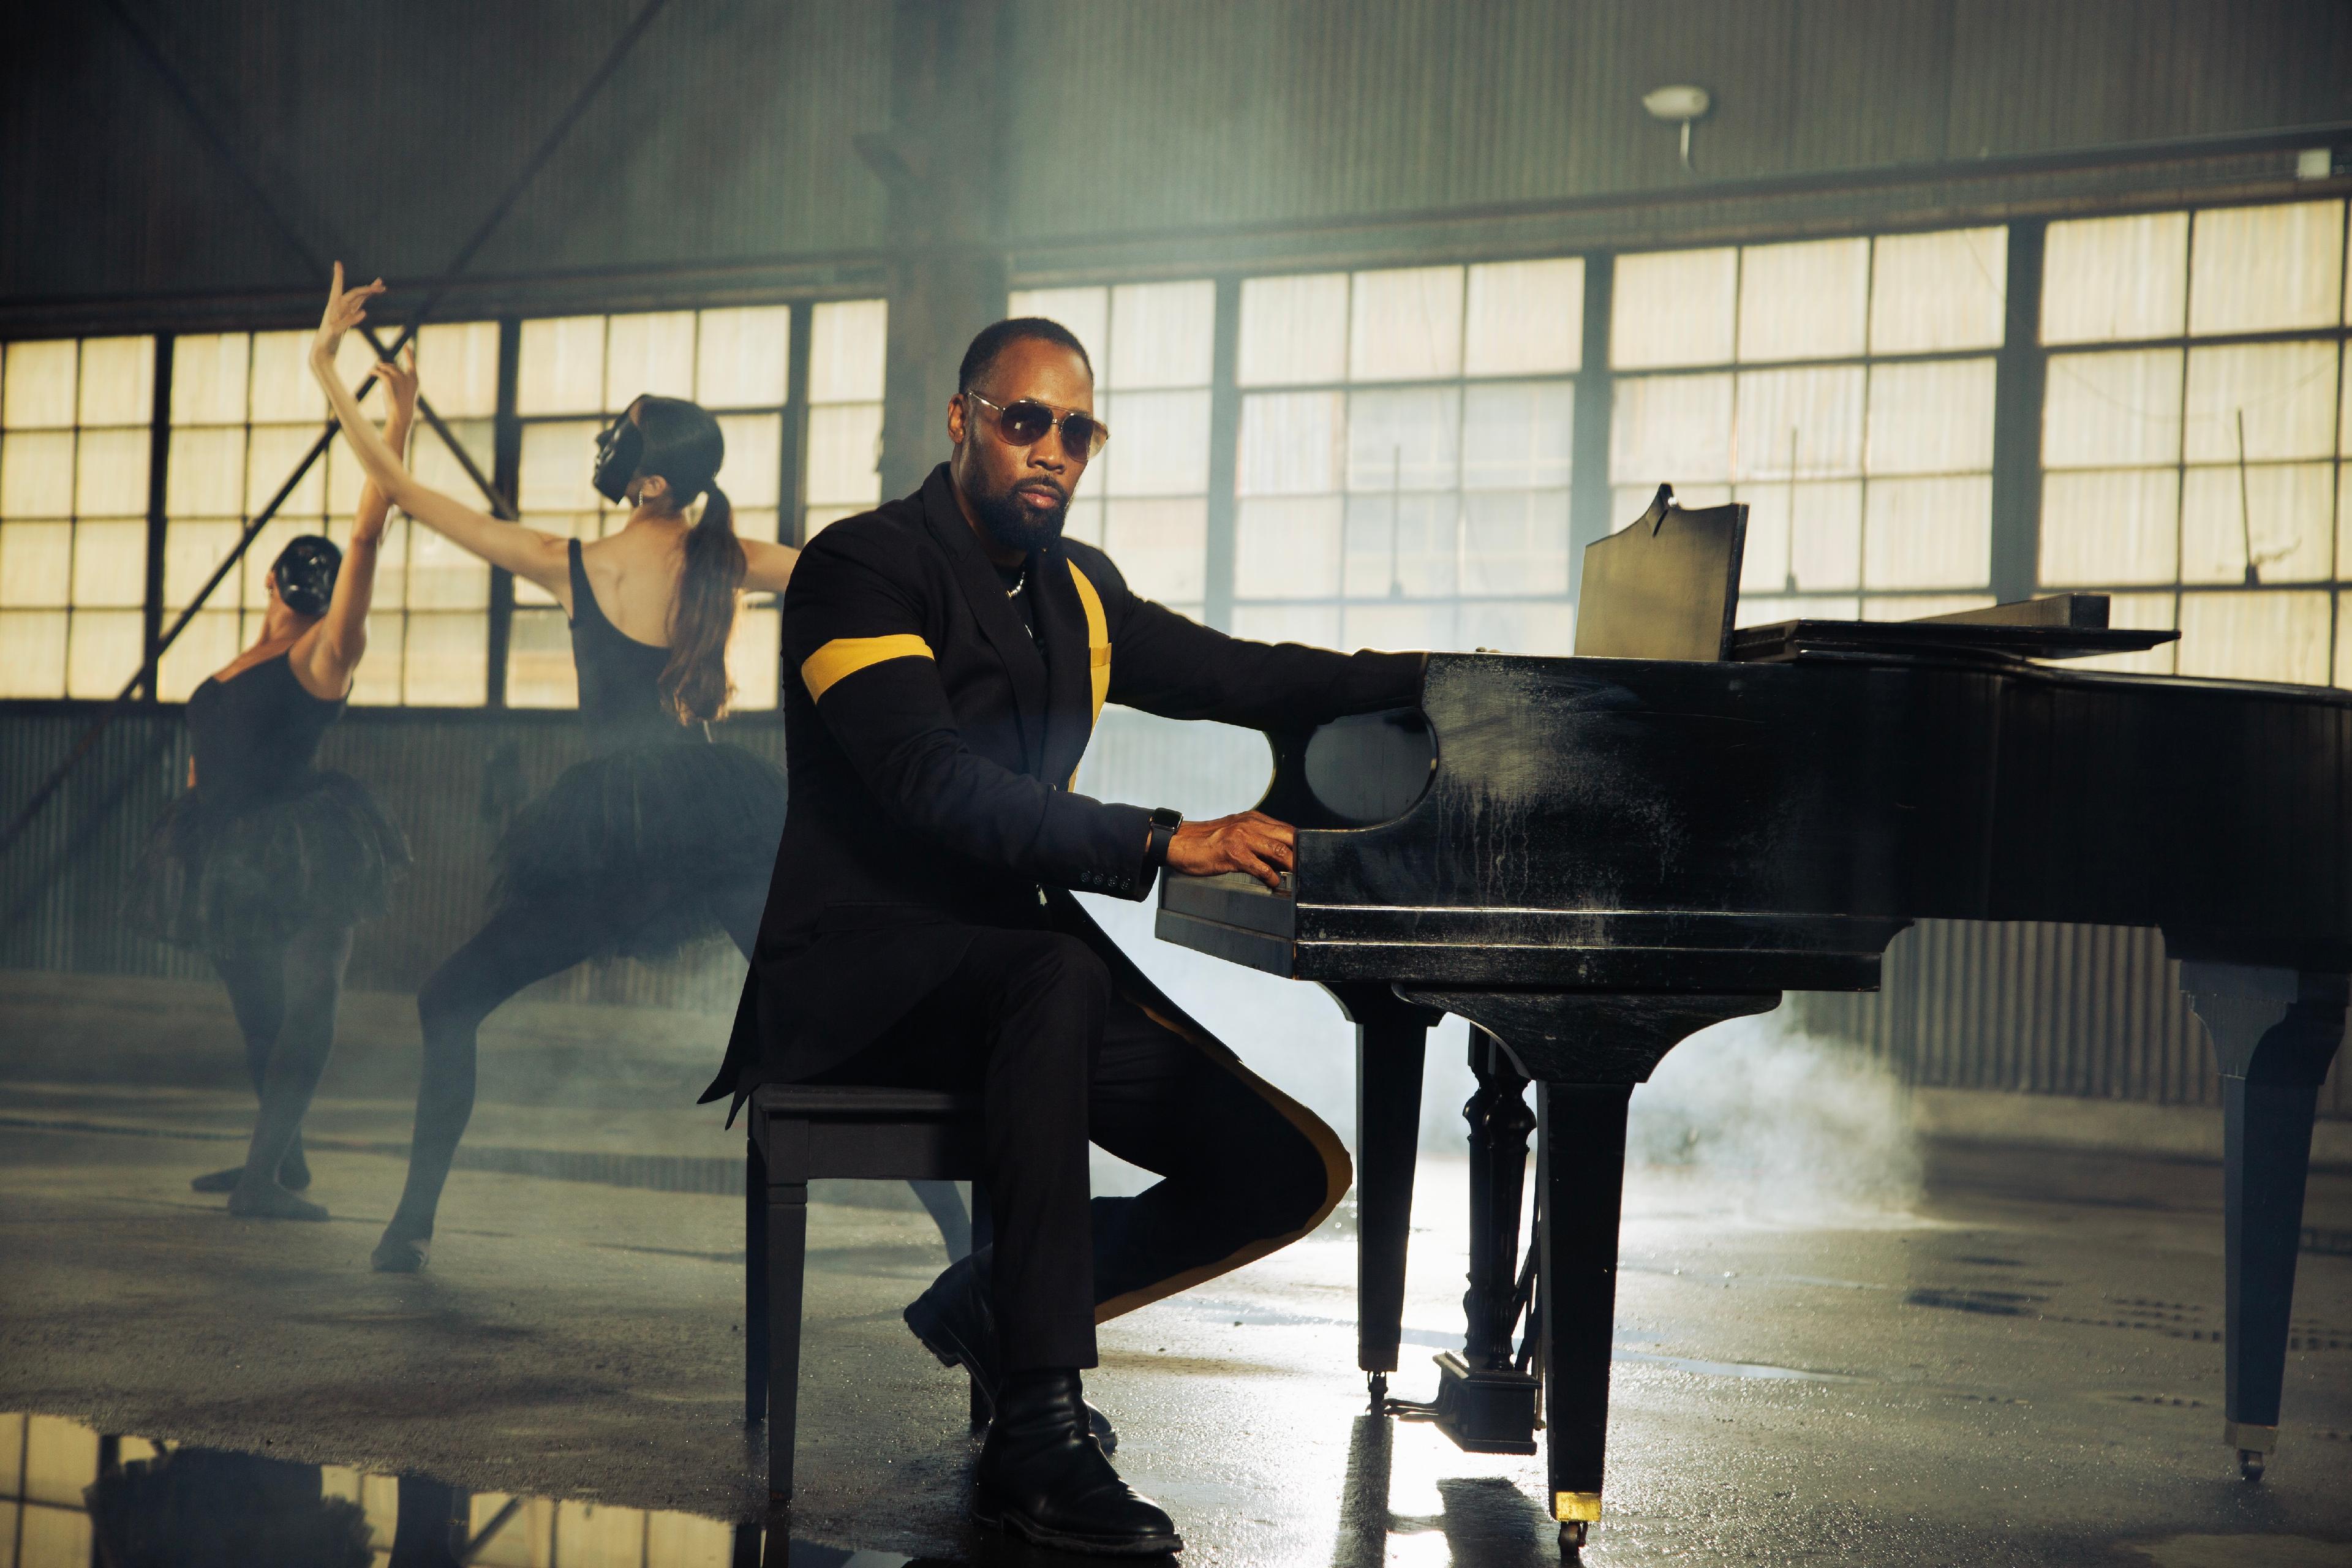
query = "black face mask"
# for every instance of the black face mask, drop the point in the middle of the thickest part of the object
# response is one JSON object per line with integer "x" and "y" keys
{"x": 620, "y": 447}
{"x": 306, "y": 572}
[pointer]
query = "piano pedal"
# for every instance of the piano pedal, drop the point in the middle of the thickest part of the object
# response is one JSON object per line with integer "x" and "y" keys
{"x": 1571, "y": 1539}
{"x": 2249, "y": 1464}
{"x": 1378, "y": 1385}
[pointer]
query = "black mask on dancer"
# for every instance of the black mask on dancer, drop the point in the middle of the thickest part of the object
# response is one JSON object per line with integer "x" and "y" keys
{"x": 306, "y": 571}
{"x": 620, "y": 446}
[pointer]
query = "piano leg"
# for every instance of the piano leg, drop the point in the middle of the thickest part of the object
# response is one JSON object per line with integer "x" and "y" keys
{"x": 2274, "y": 1032}
{"x": 1580, "y": 1172}
{"x": 1391, "y": 1039}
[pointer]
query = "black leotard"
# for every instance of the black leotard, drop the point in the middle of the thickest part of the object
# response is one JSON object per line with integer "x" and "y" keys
{"x": 267, "y": 844}
{"x": 631, "y": 842}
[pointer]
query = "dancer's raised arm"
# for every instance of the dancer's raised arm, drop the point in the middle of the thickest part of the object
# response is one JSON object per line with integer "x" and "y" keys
{"x": 767, "y": 567}
{"x": 325, "y": 657}
{"x": 529, "y": 553}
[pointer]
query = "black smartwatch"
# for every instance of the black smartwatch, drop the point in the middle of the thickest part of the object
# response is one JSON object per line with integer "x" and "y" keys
{"x": 1164, "y": 823}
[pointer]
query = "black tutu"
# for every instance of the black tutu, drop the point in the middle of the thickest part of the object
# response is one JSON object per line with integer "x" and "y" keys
{"x": 630, "y": 841}
{"x": 237, "y": 880}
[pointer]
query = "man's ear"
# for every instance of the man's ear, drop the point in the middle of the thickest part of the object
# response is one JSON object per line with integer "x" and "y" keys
{"x": 958, "y": 421}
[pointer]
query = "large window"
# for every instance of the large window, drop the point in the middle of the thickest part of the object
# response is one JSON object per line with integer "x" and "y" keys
{"x": 1404, "y": 460}
{"x": 848, "y": 349}
{"x": 1145, "y": 502}
{"x": 2195, "y": 437}
{"x": 75, "y": 417}
{"x": 1843, "y": 389}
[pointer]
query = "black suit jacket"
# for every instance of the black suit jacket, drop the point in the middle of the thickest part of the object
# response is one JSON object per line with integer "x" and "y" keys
{"x": 930, "y": 747}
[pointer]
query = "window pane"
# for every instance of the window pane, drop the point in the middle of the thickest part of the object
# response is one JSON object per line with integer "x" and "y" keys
{"x": 1803, "y": 301}
{"x": 1805, "y": 536}
{"x": 2109, "y": 278}
{"x": 562, "y": 366}
{"x": 652, "y": 351}
{"x": 433, "y": 461}
{"x": 1928, "y": 533}
{"x": 1293, "y": 329}
{"x": 37, "y": 473}
{"x": 1406, "y": 325}
{"x": 391, "y": 564}
{"x": 113, "y": 468}
{"x": 2110, "y": 527}
{"x": 192, "y": 550}
{"x": 756, "y": 522}
{"x": 1671, "y": 428}
{"x": 205, "y": 473}
{"x": 1518, "y": 436}
{"x": 2285, "y": 510}
{"x": 1401, "y": 626}
{"x": 442, "y": 575}
{"x": 848, "y": 339}
{"x": 1317, "y": 625}
{"x": 1406, "y": 439}
{"x": 540, "y": 672}
{"x": 1812, "y": 416}
{"x": 1933, "y": 419}
{"x": 1524, "y": 318}
{"x": 754, "y": 652}
{"x": 1290, "y": 443}
{"x": 208, "y": 375}
{"x": 845, "y": 451}
{"x": 1083, "y": 521}
{"x": 1936, "y": 291}
{"x": 2285, "y": 392}
{"x": 1160, "y": 445}
{"x": 2260, "y": 269}
{"x": 447, "y": 660}
{"x": 110, "y": 563}
{"x": 2256, "y": 636}
{"x": 1287, "y": 548}
{"x": 32, "y": 653}
{"x": 274, "y": 452}
{"x": 1548, "y": 630}
{"x": 754, "y": 465}
{"x": 1085, "y": 311}
{"x": 1515, "y": 543}
{"x": 1919, "y": 607}
{"x": 104, "y": 651}
{"x": 557, "y": 461}
{"x": 743, "y": 357}
{"x": 282, "y": 387}
{"x": 38, "y": 384}
{"x": 1162, "y": 334}
{"x": 1771, "y": 611}
{"x": 1161, "y": 546}
{"x": 1406, "y": 544}
{"x": 1672, "y": 307}
{"x": 118, "y": 381}
{"x": 2109, "y": 410}
{"x": 36, "y": 564}
{"x": 377, "y": 682}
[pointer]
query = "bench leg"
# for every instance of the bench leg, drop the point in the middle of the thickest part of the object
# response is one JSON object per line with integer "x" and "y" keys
{"x": 787, "y": 1238}
{"x": 755, "y": 1285}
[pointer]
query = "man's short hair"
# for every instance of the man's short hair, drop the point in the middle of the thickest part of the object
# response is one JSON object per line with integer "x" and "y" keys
{"x": 993, "y": 341}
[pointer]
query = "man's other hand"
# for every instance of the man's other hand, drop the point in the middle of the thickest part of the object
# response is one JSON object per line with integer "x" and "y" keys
{"x": 1252, "y": 842}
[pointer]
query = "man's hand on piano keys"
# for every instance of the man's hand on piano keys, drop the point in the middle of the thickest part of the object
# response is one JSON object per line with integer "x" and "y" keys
{"x": 1252, "y": 842}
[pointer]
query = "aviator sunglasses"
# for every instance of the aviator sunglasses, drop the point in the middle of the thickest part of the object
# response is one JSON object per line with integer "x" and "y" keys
{"x": 1024, "y": 421}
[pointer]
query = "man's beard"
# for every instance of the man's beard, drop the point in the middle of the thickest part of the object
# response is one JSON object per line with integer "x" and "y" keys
{"x": 1015, "y": 526}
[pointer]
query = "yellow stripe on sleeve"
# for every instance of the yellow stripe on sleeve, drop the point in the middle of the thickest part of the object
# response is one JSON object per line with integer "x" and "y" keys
{"x": 844, "y": 656}
{"x": 1098, "y": 641}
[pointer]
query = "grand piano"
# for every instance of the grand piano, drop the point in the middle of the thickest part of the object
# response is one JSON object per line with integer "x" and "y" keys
{"x": 1592, "y": 858}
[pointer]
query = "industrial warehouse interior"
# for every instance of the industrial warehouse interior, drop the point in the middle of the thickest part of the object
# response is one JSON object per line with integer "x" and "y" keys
{"x": 575, "y": 992}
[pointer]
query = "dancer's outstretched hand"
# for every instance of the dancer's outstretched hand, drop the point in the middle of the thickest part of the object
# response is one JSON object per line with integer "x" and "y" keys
{"x": 399, "y": 384}
{"x": 346, "y": 309}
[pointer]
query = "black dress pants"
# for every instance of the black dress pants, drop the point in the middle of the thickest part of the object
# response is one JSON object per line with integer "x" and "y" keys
{"x": 1032, "y": 1020}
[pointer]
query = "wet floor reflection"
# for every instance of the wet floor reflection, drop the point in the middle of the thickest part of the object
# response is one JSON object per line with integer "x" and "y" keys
{"x": 71, "y": 1496}
{"x": 1482, "y": 1522}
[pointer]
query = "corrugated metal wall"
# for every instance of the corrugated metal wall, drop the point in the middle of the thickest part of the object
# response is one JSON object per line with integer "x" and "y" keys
{"x": 2092, "y": 1011}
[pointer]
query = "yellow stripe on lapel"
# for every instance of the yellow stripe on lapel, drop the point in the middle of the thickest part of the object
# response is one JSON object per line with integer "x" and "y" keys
{"x": 844, "y": 656}
{"x": 1098, "y": 649}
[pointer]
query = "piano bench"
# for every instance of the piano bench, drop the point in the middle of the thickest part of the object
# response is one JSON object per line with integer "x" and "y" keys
{"x": 804, "y": 1132}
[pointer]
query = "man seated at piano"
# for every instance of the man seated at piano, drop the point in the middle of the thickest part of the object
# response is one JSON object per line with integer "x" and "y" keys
{"x": 947, "y": 657}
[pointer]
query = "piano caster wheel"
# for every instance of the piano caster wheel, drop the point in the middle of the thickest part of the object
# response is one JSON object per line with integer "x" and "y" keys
{"x": 2250, "y": 1465}
{"x": 1378, "y": 1385}
{"x": 1571, "y": 1539}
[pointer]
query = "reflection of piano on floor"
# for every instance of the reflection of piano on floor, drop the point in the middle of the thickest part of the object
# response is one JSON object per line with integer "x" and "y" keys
{"x": 1591, "y": 859}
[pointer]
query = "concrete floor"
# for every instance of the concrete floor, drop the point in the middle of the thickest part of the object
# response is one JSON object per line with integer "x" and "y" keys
{"x": 2021, "y": 1368}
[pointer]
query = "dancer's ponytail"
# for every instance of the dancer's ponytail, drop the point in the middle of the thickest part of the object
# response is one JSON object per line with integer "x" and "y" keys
{"x": 695, "y": 681}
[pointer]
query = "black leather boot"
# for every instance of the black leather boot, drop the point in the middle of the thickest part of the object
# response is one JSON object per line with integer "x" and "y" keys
{"x": 956, "y": 1323}
{"x": 1042, "y": 1477}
